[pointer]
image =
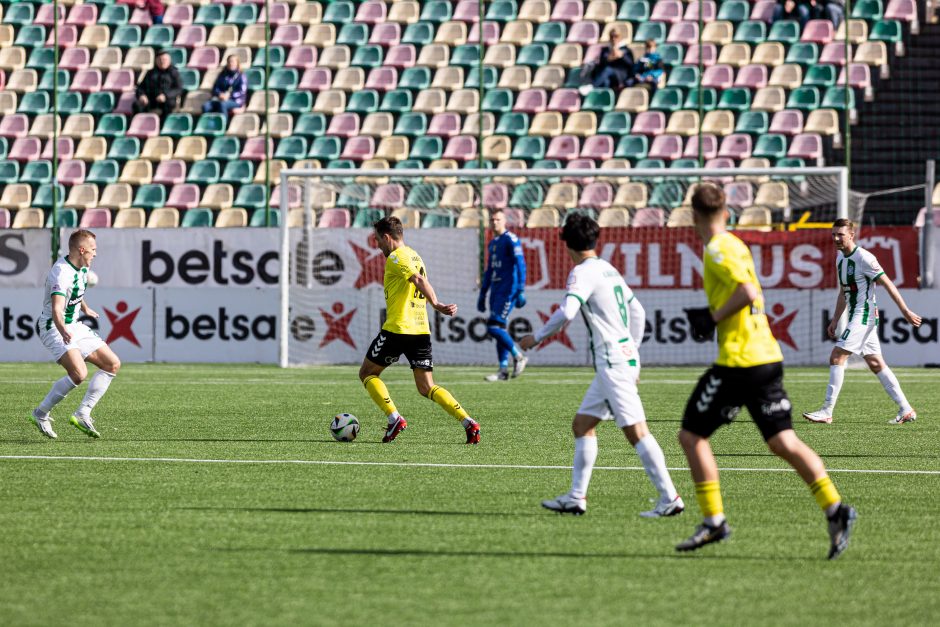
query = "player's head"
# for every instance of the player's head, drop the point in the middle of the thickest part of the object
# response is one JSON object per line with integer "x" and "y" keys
{"x": 708, "y": 208}
{"x": 82, "y": 247}
{"x": 580, "y": 232}
{"x": 498, "y": 221}
{"x": 388, "y": 233}
{"x": 843, "y": 235}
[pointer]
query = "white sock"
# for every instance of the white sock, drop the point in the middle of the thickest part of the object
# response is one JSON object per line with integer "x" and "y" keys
{"x": 654, "y": 462}
{"x": 97, "y": 386}
{"x": 466, "y": 422}
{"x": 585, "y": 454}
{"x": 893, "y": 388}
{"x": 836, "y": 377}
{"x": 714, "y": 521}
{"x": 393, "y": 417}
{"x": 60, "y": 390}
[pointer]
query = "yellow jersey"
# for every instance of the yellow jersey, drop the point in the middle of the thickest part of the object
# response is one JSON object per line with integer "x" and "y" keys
{"x": 744, "y": 339}
{"x": 406, "y": 307}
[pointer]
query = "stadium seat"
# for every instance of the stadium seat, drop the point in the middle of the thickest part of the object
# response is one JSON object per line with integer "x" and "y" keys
{"x": 130, "y": 218}
{"x": 31, "y": 218}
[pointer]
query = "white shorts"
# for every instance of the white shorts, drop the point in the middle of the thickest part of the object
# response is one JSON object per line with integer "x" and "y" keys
{"x": 860, "y": 339}
{"x": 84, "y": 340}
{"x": 613, "y": 396}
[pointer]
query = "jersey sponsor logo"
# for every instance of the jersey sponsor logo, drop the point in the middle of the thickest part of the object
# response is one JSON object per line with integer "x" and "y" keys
{"x": 337, "y": 325}
{"x": 708, "y": 393}
{"x": 780, "y": 322}
{"x": 769, "y": 409}
{"x": 122, "y": 322}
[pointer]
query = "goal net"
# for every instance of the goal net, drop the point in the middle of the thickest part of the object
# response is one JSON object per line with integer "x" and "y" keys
{"x": 332, "y": 299}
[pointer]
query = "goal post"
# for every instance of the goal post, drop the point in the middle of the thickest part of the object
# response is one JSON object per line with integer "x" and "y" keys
{"x": 331, "y": 297}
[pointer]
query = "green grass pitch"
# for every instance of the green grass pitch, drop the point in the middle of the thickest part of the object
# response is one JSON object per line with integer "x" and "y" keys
{"x": 136, "y": 536}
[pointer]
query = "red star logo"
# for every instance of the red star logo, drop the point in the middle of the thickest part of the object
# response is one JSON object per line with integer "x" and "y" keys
{"x": 780, "y": 324}
{"x": 372, "y": 263}
{"x": 337, "y": 326}
{"x": 121, "y": 324}
{"x": 561, "y": 337}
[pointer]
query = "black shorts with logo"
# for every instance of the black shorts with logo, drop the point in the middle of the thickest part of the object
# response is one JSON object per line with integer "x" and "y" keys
{"x": 722, "y": 391}
{"x": 387, "y": 347}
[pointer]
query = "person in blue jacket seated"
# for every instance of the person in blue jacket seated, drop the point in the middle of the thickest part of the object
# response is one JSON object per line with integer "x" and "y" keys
{"x": 230, "y": 90}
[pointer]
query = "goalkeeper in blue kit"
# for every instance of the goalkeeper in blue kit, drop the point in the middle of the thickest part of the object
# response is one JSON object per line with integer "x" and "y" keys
{"x": 504, "y": 279}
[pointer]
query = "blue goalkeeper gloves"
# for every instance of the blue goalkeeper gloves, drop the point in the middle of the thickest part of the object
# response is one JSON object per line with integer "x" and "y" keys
{"x": 520, "y": 299}
{"x": 481, "y": 303}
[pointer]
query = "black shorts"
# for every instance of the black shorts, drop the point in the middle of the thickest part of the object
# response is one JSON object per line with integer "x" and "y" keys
{"x": 387, "y": 347}
{"x": 722, "y": 391}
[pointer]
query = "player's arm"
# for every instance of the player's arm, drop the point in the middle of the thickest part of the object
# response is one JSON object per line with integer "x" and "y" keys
{"x": 422, "y": 284}
{"x": 895, "y": 295}
{"x": 559, "y": 318}
{"x": 88, "y": 311}
{"x": 637, "y": 320}
{"x": 743, "y": 296}
{"x": 837, "y": 315}
{"x": 58, "y": 316}
{"x": 485, "y": 284}
{"x": 519, "y": 273}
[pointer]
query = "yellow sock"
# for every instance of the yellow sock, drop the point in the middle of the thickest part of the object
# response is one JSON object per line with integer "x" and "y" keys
{"x": 379, "y": 393}
{"x": 708, "y": 494}
{"x": 444, "y": 398}
{"x": 825, "y": 492}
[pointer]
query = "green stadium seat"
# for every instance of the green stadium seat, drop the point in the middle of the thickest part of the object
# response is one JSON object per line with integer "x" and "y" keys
{"x": 667, "y": 99}
{"x": 615, "y": 123}
{"x": 115, "y": 15}
{"x": 684, "y": 163}
{"x": 124, "y": 149}
{"x": 159, "y": 36}
{"x": 238, "y": 172}
{"x": 341, "y": 12}
{"x": 99, "y": 103}
{"x": 652, "y": 164}
{"x": 418, "y": 34}
{"x": 735, "y": 99}
{"x": 255, "y": 78}
{"x": 467, "y": 55}
{"x": 365, "y": 218}
{"x": 804, "y": 98}
{"x": 43, "y": 198}
{"x": 310, "y": 125}
{"x": 325, "y": 148}
{"x": 527, "y": 196}
{"x": 65, "y": 217}
{"x": 30, "y": 36}
{"x": 474, "y": 164}
{"x": 820, "y": 75}
{"x": 551, "y": 33}
{"x": 250, "y": 196}
{"x": 225, "y": 148}
{"x": 534, "y": 55}
{"x": 572, "y": 78}
{"x": 243, "y": 14}
{"x": 427, "y": 148}
{"x": 632, "y": 147}
{"x": 709, "y": 99}
{"x": 438, "y": 221}
{"x": 888, "y": 31}
{"x": 208, "y": 15}
{"x": 672, "y": 54}
{"x": 110, "y": 124}
{"x": 64, "y": 79}
{"x": 669, "y": 194}
{"x": 204, "y": 172}
{"x": 685, "y": 76}
{"x": 190, "y": 78}
{"x": 835, "y": 98}
{"x": 127, "y": 36}
{"x": 415, "y": 78}
{"x": 37, "y": 172}
{"x": 513, "y": 124}
{"x": 502, "y": 11}
{"x": 258, "y": 218}
{"x": 353, "y": 34}
{"x": 211, "y": 125}
{"x": 529, "y": 148}
{"x": 363, "y": 102}
{"x": 423, "y": 196}
{"x": 277, "y": 54}
{"x": 498, "y": 100}
{"x": 804, "y": 53}
{"x": 437, "y": 11}
{"x": 599, "y": 101}
{"x": 753, "y": 123}
{"x": 490, "y": 77}
{"x": 297, "y": 102}
{"x": 412, "y": 124}
{"x": 291, "y": 149}
{"x": 34, "y": 103}
{"x": 870, "y": 10}
{"x": 177, "y": 125}
{"x": 369, "y": 56}
{"x": 19, "y": 14}
{"x": 790, "y": 162}
{"x": 734, "y": 10}
{"x": 548, "y": 164}
{"x": 198, "y": 216}
{"x": 9, "y": 172}
{"x": 69, "y": 102}
{"x": 785, "y": 31}
{"x": 634, "y": 11}
{"x": 752, "y": 32}
{"x": 354, "y": 196}
{"x": 651, "y": 30}
{"x": 103, "y": 172}
{"x": 771, "y": 146}
{"x": 41, "y": 59}
{"x": 178, "y": 56}
{"x": 150, "y": 196}
{"x": 284, "y": 79}
{"x": 4, "y": 148}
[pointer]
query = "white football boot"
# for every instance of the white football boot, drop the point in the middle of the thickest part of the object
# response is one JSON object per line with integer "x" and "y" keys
{"x": 904, "y": 416}
{"x": 44, "y": 422}
{"x": 566, "y": 504}
{"x": 820, "y": 416}
{"x": 666, "y": 508}
{"x": 502, "y": 375}
{"x": 519, "y": 365}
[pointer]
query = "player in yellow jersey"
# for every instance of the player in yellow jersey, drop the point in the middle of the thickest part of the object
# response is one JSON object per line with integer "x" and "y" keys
{"x": 748, "y": 372}
{"x": 406, "y": 330}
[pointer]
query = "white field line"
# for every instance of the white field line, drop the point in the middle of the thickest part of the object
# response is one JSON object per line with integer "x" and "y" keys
{"x": 315, "y": 462}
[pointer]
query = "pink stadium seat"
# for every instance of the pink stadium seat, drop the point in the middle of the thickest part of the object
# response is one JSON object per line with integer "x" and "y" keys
{"x": 564, "y": 148}
{"x": 597, "y": 196}
{"x": 294, "y": 196}
{"x": 570, "y": 11}
{"x": 763, "y": 11}
{"x": 834, "y": 53}
{"x": 708, "y": 52}
{"x": 718, "y": 76}
{"x": 565, "y": 100}
{"x": 83, "y": 14}
{"x": 96, "y": 217}
{"x": 68, "y": 36}
{"x": 125, "y": 103}
{"x": 707, "y": 9}
{"x": 382, "y": 79}
{"x": 178, "y": 15}
{"x": 253, "y": 150}
{"x": 280, "y": 13}
{"x": 515, "y": 218}
{"x": 87, "y": 81}
{"x": 807, "y": 146}
{"x": 649, "y": 216}
{"x": 584, "y": 33}
{"x": 531, "y": 101}
{"x": 787, "y": 122}
{"x": 71, "y": 172}
{"x": 184, "y": 196}
{"x": 649, "y": 123}
{"x": 372, "y": 12}
{"x": 461, "y": 148}
{"x": 170, "y": 172}
{"x": 386, "y": 34}
{"x": 3, "y": 79}
{"x": 388, "y": 196}
{"x": 316, "y": 79}
{"x": 14, "y": 125}
{"x": 144, "y": 125}
{"x": 75, "y": 59}
{"x": 593, "y": 53}
{"x": 685, "y": 33}
{"x": 141, "y": 17}
{"x": 752, "y": 76}
{"x": 205, "y": 58}
{"x": 736, "y": 146}
{"x": 344, "y": 125}
{"x": 334, "y": 219}
{"x": 401, "y": 56}
{"x": 359, "y": 148}
{"x": 45, "y": 16}
{"x": 25, "y": 149}
{"x": 490, "y": 33}
{"x": 4, "y": 218}
{"x": 818, "y": 31}
{"x": 598, "y": 148}
{"x": 467, "y": 11}
{"x": 579, "y": 164}
{"x": 288, "y": 35}
{"x": 739, "y": 194}
{"x": 495, "y": 196}
{"x": 302, "y": 57}
{"x": 192, "y": 36}
{"x": 905, "y": 10}
{"x": 709, "y": 147}
{"x": 859, "y": 76}
{"x": 668, "y": 147}
{"x": 719, "y": 163}
{"x": 66, "y": 149}
{"x": 445, "y": 125}
{"x": 121, "y": 80}
{"x": 667, "y": 11}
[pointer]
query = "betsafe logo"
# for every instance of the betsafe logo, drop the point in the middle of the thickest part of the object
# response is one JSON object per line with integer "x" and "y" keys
{"x": 13, "y": 259}
{"x": 122, "y": 321}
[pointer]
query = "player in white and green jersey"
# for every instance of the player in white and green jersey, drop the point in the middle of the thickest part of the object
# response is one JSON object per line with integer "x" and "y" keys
{"x": 70, "y": 342}
{"x": 615, "y": 322}
{"x": 857, "y": 272}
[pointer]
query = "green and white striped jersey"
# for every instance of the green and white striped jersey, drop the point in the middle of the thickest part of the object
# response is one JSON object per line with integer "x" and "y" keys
{"x": 70, "y": 282}
{"x": 857, "y": 273}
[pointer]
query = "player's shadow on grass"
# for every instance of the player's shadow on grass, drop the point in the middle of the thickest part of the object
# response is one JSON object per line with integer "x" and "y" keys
{"x": 334, "y": 510}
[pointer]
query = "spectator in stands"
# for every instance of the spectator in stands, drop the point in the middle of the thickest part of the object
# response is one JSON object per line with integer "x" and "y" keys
{"x": 230, "y": 90}
{"x": 798, "y": 10}
{"x": 614, "y": 68}
{"x": 161, "y": 88}
{"x": 649, "y": 69}
{"x": 834, "y": 11}
{"x": 154, "y": 7}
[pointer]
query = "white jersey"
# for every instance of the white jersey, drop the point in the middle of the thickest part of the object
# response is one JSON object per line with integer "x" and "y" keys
{"x": 857, "y": 273}
{"x": 605, "y": 299}
{"x": 68, "y": 281}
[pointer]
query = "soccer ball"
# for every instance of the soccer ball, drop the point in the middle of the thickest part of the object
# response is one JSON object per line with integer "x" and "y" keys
{"x": 345, "y": 427}
{"x": 91, "y": 278}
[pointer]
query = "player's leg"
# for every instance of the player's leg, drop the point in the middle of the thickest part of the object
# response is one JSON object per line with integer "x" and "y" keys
{"x": 108, "y": 366}
{"x": 75, "y": 372}
{"x": 384, "y": 350}
{"x": 837, "y": 361}
{"x": 419, "y": 355}
{"x": 505, "y": 345}
{"x": 585, "y": 455}
{"x": 892, "y": 386}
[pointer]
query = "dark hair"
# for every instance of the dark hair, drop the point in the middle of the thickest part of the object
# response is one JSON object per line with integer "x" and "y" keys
{"x": 580, "y": 232}
{"x": 708, "y": 199}
{"x": 76, "y": 238}
{"x": 390, "y": 226}
{"x": 844, "y": 222}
